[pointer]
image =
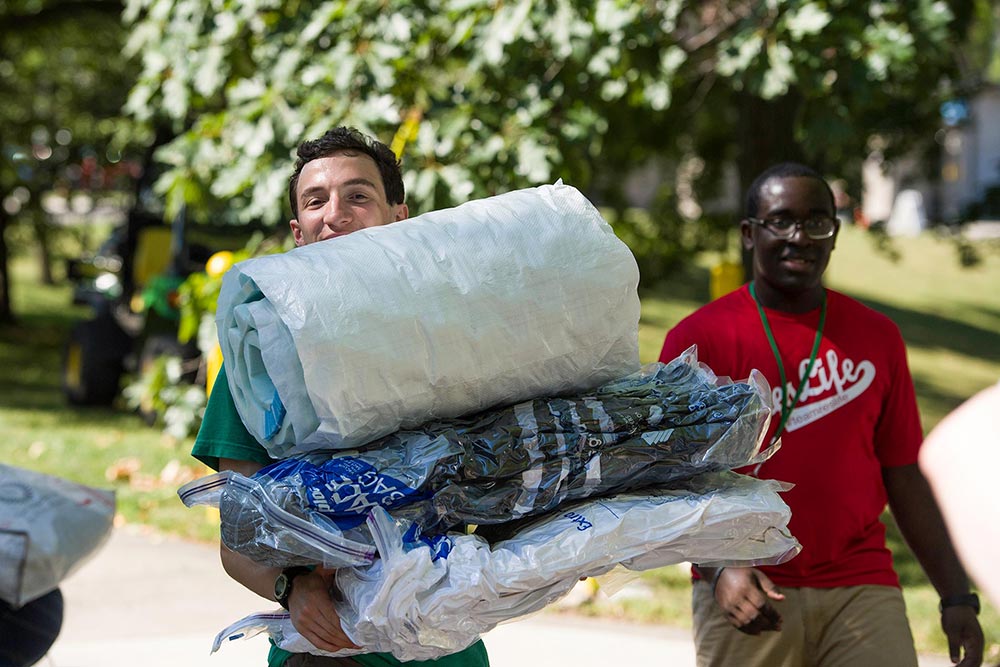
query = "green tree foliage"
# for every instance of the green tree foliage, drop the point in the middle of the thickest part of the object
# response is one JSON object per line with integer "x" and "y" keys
{"x": 63, "y": 82}
{"x": 484, "y": 96}
{"x": 979, "y": 58}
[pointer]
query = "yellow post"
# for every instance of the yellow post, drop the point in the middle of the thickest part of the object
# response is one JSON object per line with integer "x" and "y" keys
{"x": 212, "y": 366}
{"x": 724, "y": 277}
{"x": 216, "y": 265}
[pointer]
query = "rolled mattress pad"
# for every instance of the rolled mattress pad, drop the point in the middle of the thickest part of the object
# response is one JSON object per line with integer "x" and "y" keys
{"x": 498, "y": 300}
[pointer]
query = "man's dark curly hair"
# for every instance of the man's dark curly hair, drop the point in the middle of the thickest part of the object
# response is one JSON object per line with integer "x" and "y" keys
{"x": 349, "y": 140}
{"x": 781, "y": 170}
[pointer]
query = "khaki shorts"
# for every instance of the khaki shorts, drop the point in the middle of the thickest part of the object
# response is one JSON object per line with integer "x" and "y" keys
{"x": 855, "y": 626}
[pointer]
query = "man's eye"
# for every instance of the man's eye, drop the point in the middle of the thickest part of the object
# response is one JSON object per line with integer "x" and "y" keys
{"x": 781, "y": 224}
{"x": 359, "y": 197}
{"x": 821, "y": 222}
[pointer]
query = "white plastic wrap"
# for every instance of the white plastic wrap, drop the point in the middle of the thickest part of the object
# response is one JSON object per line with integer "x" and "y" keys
{"x": 423, "y": 602}
{"x": 499, "y": 300}
{"x": 48, "y": 527}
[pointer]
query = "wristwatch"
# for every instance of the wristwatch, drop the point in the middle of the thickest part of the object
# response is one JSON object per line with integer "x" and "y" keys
{"x": 967, "y": 600}
{"x": 283, "y": 584}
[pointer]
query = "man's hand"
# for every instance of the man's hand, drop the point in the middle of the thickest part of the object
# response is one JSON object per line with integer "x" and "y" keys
{"x": 313, "y": 614}
{"x": 961, "y": 627}
{"x": 744, "y": 596}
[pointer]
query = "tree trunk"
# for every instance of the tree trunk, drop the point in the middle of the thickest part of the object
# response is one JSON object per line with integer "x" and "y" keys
{"x": 6, "y": 312}
{"x": 43, "y": 238}
{"x": 767, "y": 137}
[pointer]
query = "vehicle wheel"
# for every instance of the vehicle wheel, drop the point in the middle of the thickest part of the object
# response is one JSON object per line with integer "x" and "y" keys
{"x": 93, "y": 362}
{"x": 31, "y": 630}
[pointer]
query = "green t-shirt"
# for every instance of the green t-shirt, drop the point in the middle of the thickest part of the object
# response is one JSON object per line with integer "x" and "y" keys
{"x": 223, "y": 435}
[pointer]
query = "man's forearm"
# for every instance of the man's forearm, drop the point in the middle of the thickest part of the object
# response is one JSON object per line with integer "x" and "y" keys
{"x": 253, "y": 575}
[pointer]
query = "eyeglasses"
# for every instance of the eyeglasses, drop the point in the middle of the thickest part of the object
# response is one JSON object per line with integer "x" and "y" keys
{"x": 817, "y": 228}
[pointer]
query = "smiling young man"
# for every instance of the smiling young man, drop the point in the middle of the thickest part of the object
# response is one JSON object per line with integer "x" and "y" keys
{"x": 336, "y": 190}
{"x": 344, "y": 181}
{"x": 847, "y": 417}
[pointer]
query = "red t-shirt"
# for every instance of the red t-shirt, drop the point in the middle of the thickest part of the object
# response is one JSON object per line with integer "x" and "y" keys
{"x": 857, "y": 414}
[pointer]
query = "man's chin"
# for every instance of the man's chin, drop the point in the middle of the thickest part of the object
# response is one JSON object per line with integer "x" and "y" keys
{"x": 793, "y": 282}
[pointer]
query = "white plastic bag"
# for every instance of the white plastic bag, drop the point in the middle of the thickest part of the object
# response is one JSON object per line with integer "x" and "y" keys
{"x": 48, "y": 527}
{"x": 499, "y": 300}
{"x": 423, "y": 602}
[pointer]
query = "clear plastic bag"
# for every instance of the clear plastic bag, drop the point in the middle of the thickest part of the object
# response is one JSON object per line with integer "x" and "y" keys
{"x": 48, "y": 527}
{"x": 422, "y": 600}
{"x": 257, "y": 526}
{"x": 666, "y": 423}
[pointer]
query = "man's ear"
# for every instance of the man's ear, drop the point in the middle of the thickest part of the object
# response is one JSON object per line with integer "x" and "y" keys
{"x": 402, "y": 213}
{"x": 296, "y": 232}
{"x": 746, "y": 234}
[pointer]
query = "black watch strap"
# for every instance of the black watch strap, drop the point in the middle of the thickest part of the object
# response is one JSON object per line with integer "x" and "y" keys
{"x": 967, "y": 600}
{"x": 283, "y": 584}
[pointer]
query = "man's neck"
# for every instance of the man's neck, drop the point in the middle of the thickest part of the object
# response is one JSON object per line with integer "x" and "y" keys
{"x": 788, "y": 301}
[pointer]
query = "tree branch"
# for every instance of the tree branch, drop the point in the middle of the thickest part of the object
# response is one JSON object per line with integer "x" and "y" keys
{"x": 718, "y": 27}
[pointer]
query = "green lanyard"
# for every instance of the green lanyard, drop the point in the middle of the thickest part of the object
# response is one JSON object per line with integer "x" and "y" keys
{"x": 786, "y": 410}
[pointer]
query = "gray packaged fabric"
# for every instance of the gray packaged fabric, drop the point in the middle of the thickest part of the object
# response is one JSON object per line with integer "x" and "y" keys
{"x": 499, "y": 300}
{"x": 665, "y": 423}
{"x": 49, "y": 526}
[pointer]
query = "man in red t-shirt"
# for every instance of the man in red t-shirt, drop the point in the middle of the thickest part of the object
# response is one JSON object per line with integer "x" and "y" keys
{"x": 847, "y": 417}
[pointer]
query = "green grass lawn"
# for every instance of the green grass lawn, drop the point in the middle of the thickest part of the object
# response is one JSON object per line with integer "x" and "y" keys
{"x": 949, "y": 316}
{"x": 111, "y": 448}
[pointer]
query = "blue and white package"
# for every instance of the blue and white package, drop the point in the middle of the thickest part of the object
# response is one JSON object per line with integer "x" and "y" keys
{"x": 254, "y": 525}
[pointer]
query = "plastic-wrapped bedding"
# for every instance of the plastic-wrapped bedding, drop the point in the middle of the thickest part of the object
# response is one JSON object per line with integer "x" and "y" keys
{"x": 664, "y": 423}
{"x": 49, "y": 526}
{"x": 421, "y": 601}
{"x": 499, "y": 300}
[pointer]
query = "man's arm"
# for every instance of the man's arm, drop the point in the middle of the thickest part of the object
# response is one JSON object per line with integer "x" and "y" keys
{"x": 310, "y": 604}
{"x": 920, "y": 522}
{"x": 960, "y": 458}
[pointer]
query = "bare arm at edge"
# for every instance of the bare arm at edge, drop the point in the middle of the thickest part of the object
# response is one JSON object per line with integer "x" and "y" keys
{"x": 921, "y": 524}
{"x": 310, "y": 604}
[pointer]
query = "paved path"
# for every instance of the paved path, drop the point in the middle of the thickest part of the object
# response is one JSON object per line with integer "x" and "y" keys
{"x": 156, "y": 601}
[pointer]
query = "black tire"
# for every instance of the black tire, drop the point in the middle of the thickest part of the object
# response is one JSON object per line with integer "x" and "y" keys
{"x": 93, "y": 361}
{"x": 29, "y": 632}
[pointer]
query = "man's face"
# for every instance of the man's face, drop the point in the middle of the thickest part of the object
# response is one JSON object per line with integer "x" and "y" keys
{"x": 794, "y": 264}
{"x": 338, "y": 195}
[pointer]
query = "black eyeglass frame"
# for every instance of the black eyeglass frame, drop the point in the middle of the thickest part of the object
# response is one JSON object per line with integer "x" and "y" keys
{"x": 798, "y": 223}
